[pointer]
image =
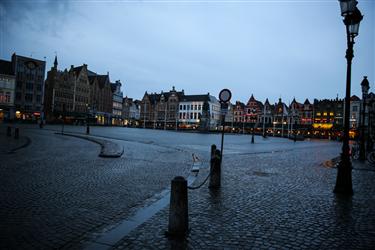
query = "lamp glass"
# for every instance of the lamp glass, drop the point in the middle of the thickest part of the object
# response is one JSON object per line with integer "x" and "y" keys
{"x": 353, "y": 29}
{"x": 347, "y": 6}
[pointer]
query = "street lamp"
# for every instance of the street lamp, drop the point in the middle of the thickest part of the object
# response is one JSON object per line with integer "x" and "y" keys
{"x": 365, "y": 87}
{"x": 352, "y": 18}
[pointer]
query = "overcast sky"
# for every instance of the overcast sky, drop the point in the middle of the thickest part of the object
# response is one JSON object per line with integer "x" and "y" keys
{"x": 270, "y": 49}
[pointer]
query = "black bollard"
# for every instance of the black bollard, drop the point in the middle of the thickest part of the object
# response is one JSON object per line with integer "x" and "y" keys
{"x": 16, "y": 133}
{"x": 215, "y": 177}
{"x": 87, "y": 129}
{"x": 178, "y": 208}
{"x": 213, "y": 149}
{"x": 9, "y": 131}
{"x": 252, "y": 138}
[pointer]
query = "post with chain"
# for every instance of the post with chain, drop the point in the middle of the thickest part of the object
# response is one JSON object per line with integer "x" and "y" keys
{"x": 178, "y": 208}
{"x": 215, "y": 177}
{"x": 213, "y": 149}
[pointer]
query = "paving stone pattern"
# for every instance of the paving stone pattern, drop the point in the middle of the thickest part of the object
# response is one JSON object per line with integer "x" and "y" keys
{"x": 272, "y": 201}
{"x": 58, "y": 192}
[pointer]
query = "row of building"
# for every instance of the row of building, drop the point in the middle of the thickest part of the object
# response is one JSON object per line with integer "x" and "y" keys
{"x": 78, "y": 95}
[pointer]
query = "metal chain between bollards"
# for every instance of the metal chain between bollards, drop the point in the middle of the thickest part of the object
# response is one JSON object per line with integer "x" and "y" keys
{"x": 199, "y": 186}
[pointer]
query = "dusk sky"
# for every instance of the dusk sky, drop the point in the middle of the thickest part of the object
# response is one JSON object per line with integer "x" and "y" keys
{"x": 270, "y": 48}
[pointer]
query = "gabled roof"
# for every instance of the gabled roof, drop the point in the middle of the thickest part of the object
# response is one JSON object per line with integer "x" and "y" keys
{"x": 307, "y": 102}
{"x": 355, "y": 98}
{"x": 6, "y": 68}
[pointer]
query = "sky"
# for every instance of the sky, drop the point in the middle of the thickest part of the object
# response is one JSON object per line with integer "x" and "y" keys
{"x": 270, "y": 48}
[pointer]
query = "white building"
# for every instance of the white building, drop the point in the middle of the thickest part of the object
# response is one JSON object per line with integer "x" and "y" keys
{"x": 197, "y": 109}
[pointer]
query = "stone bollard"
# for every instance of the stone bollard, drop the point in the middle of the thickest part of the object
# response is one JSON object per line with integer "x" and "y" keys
{"x": 213, "y": 149}
{"x": 87, "y": 130}
{"x": 16, "y": 133}
{"x": 215, "y": 177}
{"x": 9, "y": 131}
{"x": 178, "y": 208}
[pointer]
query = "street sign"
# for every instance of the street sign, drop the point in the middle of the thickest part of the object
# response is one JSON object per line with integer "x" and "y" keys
{"x": 225, "y": 95}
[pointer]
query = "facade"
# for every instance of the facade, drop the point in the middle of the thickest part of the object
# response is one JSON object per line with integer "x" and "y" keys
{"x": 355, "y": 111}
{"x": 29, "y": 92}
{"x": 253, "y": 111}
{"x": 67, "y": 93}
{"x": 131, "y": 111}
{"x": 201, "y": 111}
{"x": 160, "y": 110}
{"x": 266, "y": 117}
{"x": 117, "y": 97}
{"x": 295, "y": 113}
{"x": 101, "y": 98}
{"x": 7, "y": 91}
{"x": 280, "y": 118}
{"x": 307, "y": 113}
{"x": 328, "y": 117}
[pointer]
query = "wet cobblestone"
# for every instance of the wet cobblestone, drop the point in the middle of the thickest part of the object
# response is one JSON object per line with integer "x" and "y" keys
{"x": 272, "y": 201}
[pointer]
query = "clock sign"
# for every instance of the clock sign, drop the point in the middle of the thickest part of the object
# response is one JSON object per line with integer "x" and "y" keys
{"x": 30, "y": 65}
{"x": 225, "y": 95}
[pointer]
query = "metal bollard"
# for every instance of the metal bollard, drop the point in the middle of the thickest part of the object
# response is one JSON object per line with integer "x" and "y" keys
{"x": 215, "y": 177}
{"x": 16, "y": 133}
{"x": 213, "y": 149}
{"x": 87, "y": 130}
{"x": 9, "y": 131}
{"x": 252, "y": 138}
{"x": 178, "y": 208}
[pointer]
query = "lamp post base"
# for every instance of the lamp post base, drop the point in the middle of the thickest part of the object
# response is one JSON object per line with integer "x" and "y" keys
{"x": 344, "y": 177}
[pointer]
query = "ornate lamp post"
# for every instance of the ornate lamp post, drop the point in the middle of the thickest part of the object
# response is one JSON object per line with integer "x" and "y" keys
{"x": 362, "y": 148}
{"x": 352, "y": 18}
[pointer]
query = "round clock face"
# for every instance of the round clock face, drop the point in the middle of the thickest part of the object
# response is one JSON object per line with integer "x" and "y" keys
{"x": 30, "y": 65}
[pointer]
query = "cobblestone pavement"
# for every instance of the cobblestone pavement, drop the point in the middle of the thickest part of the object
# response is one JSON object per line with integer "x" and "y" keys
{"x": 57, "y": 192}
{"x": 272, "y": 201}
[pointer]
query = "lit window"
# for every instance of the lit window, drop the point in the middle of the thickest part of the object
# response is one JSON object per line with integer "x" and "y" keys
{"x": 318, "y": 114}
{"x": 325, "y": 113}
{"x": 331, "y": 113}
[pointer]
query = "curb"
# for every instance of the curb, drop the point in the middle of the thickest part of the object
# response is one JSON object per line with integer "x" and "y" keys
{"x": 103, "y": 152}
{"x": 27, "y": 143}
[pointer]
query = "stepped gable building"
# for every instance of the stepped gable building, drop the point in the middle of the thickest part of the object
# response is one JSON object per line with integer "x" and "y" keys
{"x": 101, "y": 98}
{"x": 295, "y": 112}
{"x": 267, "y": 114}
{"x": 238, "y": 112}
{"x": 29, "y": 91}
{"x": 7, "y": 91}
{"x": 160, "y": 110}
{"x": 307, "y": 113}
{"x": 280, "y": 117}
{"x": 67, "y": 93}
{"x": 253, "y": 110}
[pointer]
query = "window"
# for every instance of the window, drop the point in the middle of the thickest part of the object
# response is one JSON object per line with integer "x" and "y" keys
{"x": 180, "y": 115}
{"x": 184, "y": 107}
{"x": 195, "y": 114}
{"x": 355, "y": 108}
{"x": 188, "y": 107}
{"x": 191, "y": 107}
{"x": 318, "y": 114}
{"x": 195, "y": 107}
{"x": 180, "y": 107}
{"x": 191, "y": 115}
{"x": 331, "y": 113}
{"x": 7, "y": 97}
{"x": 325, "y": 113}
{"x": 29, "y": 97}
{"x": 199, "y": 107}
{"x": 18, "y": 96}
{"x": 29, "y": 86}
